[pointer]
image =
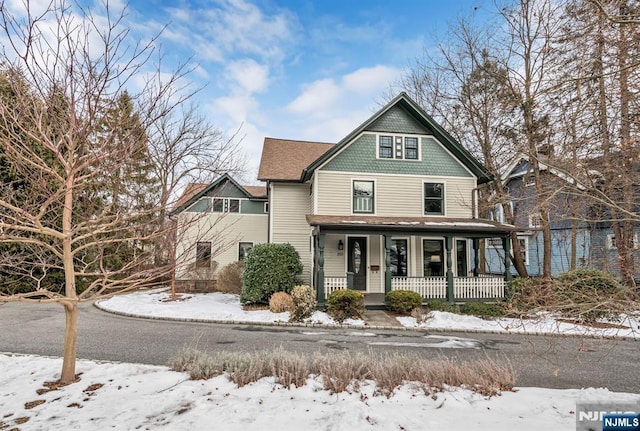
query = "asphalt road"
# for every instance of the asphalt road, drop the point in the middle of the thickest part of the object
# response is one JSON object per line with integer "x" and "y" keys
{"x": 553, "y": 362}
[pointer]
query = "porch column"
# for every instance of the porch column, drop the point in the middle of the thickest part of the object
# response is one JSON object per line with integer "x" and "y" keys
{"x": 476, "y": 256}
{"x": 320, "y": 241}
{"x": 387, "y": 264}
{"x": 506, "y": 246}
{"x": 449, "y": 246}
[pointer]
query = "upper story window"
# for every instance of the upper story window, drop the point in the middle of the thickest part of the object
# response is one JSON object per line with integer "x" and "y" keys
{"x": 398, "y": 147}
{"x": 535, "y": 221}
{"x": 363, "y": 197}
{"x": 226, "y": 205}
{"x": 612, "y": 244}
{"x": 433, "y": 199}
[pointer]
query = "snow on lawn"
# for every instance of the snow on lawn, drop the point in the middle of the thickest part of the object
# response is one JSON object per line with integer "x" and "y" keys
{"x": 543, "y": 323}
{"x": 202, "y": 306}
{"x": 131, "y": 396}
{"x": 226, "y": 307}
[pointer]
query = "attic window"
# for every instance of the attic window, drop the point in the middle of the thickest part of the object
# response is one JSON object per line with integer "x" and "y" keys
{"x": 225, "y": 205}
{"x": 398, "y": 147}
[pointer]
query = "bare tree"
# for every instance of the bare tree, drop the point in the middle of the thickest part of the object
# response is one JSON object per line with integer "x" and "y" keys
{"x": 65, "y": 69}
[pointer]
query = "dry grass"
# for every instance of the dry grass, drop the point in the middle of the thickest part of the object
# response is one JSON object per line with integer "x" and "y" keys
{"x": 281, "y": 302}
{"x": 345, "y": 371}
{"x": 229, "y": 278}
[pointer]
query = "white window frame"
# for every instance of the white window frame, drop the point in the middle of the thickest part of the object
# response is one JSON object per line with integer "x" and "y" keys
{"x": 535, "y": 221}
{"x": 375, "y": 193}
{"x": 493, "y": 243}
{"x": 611, "y": 241}
{"x": 398, "y": 146}
{"x": 266, "y": 207}
{"x": 526, "y": 248}
{"x": 244, "y": 242}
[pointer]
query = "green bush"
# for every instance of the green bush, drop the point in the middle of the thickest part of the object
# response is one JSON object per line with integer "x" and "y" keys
{"x": 484, "y": 310}
{"x": 403, "y": 301}
{"x": 590, "y": 280}
{"x": 304, "y": 302}
{"x": 345, "y": 304}
{"x": 441, "y": 305}
{"x": 269, "y": 268}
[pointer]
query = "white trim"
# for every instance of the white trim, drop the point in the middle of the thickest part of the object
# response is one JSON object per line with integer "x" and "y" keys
{"x": 531, "y": 219}
{"x": 611, "y": 237}
{"x": 383, "y": 174}
{"x": 471, "y": 174}
{"x": 444, "y": 198}
{"x": 408, "y": 239}
{"x": 271, "y": 212}
{"x": 375, "y": 196}
{"x": 238, "y": 247}
{"x": 526, "y": 248}
{"x": 314, "y": 186}
{"x": 444, "y": 254}
{"x": 265, "y": 207}
{"x": 402, "y": 137}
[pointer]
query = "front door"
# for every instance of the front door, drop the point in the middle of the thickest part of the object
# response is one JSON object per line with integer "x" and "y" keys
{"x": 357, "y": 261}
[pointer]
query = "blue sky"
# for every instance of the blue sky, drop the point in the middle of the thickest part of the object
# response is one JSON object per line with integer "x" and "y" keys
{"x": 309, "y": 70}
{"x": 294, "y": 69}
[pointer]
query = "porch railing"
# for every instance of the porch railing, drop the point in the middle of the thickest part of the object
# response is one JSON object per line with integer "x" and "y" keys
{"x": 427, "y": 287}
{"x": 482, "y": 287}
{"x": 333, "y": 283}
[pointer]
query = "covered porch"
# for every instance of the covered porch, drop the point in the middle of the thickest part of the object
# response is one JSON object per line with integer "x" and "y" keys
{"x": 439, "y": 258}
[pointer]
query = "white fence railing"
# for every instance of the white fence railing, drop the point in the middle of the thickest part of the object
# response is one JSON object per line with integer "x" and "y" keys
{"x": 479, "y": 287}
{"x": 428, "y": 287}
{"x": 334, "y": 283}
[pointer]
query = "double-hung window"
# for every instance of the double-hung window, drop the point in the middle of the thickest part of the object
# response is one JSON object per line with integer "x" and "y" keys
{"x": 411, "y": 148}
{"x": 433, "y": 199}
{"x": 226, "y": 205}
{"x": 203, "y": 254}
{"x": 243, "y": 249}
{"x": 385, "y": 147}
{"x": 363, "y": 197}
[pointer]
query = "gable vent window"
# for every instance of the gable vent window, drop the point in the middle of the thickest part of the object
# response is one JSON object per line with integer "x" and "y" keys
{"x": 398, "y": 147}
{"x": 224, "y": 205}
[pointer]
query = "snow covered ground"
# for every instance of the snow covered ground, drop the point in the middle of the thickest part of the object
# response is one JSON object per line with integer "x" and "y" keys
{"x": 132, "y": 396}
{"x": 226, "y": 307}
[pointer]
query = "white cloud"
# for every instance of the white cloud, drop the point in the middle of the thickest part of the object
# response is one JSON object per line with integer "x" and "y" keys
{"x": 250, "y": 76}
{"x": 369, "y": 80}
{"x": 316, "y": 98}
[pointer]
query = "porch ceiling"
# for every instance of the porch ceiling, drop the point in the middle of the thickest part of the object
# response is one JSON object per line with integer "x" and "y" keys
{"x": 469, "y": 227}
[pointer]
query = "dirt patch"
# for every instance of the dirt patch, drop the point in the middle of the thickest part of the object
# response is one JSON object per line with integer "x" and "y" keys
{"x": 94, "y": 387}
{"x": 32, "y": 404}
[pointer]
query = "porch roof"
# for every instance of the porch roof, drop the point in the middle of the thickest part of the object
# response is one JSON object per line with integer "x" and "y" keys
{"x": 470, "y": 227}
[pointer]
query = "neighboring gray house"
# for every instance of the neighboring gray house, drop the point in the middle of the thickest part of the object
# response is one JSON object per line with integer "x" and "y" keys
{"x": 577, "y": 238}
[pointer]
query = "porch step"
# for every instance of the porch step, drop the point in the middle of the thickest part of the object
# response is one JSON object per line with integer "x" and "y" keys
{"x": 379, "y": 318}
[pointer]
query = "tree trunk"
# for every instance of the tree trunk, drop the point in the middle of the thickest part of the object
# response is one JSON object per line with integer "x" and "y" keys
{"x": 68, "y": 374}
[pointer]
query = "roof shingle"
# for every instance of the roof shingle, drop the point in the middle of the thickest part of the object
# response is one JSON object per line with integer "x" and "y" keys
{"x": 284, "y": 159}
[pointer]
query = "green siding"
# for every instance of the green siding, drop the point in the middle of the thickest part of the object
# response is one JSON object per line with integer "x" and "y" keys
{"x": 226, "y": 190}
{"x": 360, "y": 156}
{"x": 397, "y": 120}
{"x": 201, "y": 206}
{"x": 252, "y": 207}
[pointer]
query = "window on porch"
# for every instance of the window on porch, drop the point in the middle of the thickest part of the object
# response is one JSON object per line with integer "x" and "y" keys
{"x": 363, "y": 197}
{"x": 399, "y": 251}
{"x": 433, "y": 257}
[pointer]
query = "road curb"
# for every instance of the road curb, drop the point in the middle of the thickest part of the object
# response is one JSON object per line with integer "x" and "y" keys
{"x": 101, "y": 307}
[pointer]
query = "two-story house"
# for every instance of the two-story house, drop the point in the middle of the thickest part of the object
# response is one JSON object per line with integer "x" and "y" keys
{"x": 390, "y": 206}
{"x": 217, "y": 224}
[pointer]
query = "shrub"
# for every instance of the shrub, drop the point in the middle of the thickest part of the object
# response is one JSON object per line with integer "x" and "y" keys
{"x": 229, "y": 279}
{"x": 403, "y": 301}
{"x": 440, "y": 305}
{"x": 484, "y": 310}
{"x": 345, "y": 304}
{"x": 280, "y": 302}
{"x": 590, "y": 280}
{"x": 269, "y": 268}
{"x": 420, "y": 314}
{"x": 304, "y": 302}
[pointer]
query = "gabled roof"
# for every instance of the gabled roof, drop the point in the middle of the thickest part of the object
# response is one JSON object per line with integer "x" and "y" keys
{"x": 520, "y": 167}
{"x": 285, "y": 160}
{"x": 195, "y": 191}
{"x": 411, "y": 107}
